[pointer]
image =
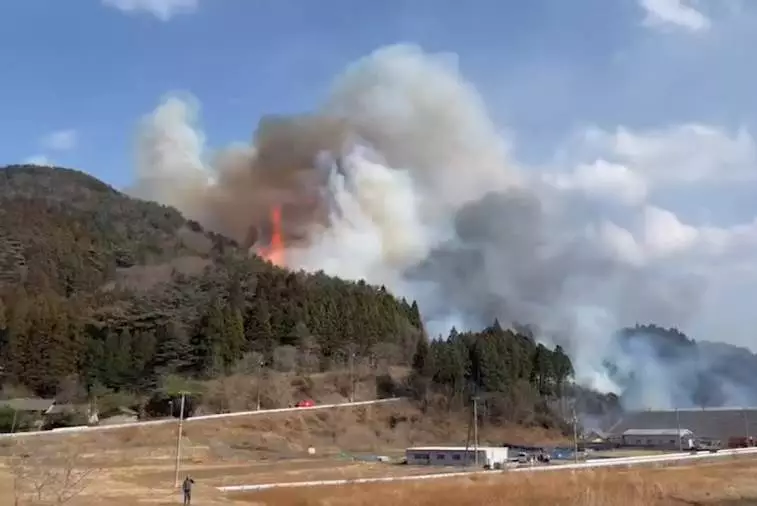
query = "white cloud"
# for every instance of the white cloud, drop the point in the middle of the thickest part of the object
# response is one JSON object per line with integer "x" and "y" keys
{"x": 62, "y": 140}
{"x": 602, "y": 179}
{"x": 162, "y": 9}
{"x": 663, "y": 233}
{"x": 38, "y": 160}
{"x": 619, "y": 243}
{"x": 626, "y": 165}
{"x": 661, "y": 13}
{"x": 687, "y": 153}
{"x": 656, "y": 234}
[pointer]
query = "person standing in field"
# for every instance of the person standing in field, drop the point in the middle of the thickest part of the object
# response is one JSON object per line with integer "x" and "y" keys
{"x": 187, "y": 488}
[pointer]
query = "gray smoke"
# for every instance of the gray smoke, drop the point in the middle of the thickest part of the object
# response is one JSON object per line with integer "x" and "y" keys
{"x": 401, "y": 178}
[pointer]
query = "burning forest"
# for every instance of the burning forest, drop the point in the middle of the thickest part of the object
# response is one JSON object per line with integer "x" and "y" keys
{"x": 402, "y": 178}
{"x": 274, "y": 252}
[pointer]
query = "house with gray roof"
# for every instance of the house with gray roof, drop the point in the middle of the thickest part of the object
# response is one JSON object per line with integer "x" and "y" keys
{"x": 30, "y": 405}
{"x": 715, "y": 423}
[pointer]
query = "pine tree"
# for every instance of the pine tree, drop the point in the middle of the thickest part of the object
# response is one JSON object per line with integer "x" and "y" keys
{"x": 258, "y": 332}
{"x": 143, "y": 352}
{"x": 423, "y": 370}
{"x": 234, "y": 338}
{"x": 172, "y": 353}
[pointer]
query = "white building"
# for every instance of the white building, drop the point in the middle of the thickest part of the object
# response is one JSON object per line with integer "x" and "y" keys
{"x": 659, "y": 438}
{"x": 491, "y": 457}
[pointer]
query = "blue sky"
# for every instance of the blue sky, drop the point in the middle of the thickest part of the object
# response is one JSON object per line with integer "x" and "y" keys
{"x": 545, "y": 67}
{"x": 647, "y": 104}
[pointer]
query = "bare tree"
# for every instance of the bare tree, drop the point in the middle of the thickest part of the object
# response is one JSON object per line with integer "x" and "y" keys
{"x": 249, "y": 363}
{"x": 308, "y": 355}
{"x": 71, "y": 391}
{"x": 384, "y": 355}
{"x": 285, "y": 358}
{"x": 48, "y": 473}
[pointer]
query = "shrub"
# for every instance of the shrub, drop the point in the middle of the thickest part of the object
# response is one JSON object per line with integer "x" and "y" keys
{"x": 64, "y": 419}
{"x": 22, "y": 420}
{"x": 161, "y": 404}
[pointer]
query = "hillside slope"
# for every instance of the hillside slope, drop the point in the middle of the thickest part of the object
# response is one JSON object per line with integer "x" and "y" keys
{"x": 119, "y": 292}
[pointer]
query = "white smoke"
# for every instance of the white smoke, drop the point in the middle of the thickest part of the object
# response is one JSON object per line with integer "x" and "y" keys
{"x": 414, "y": 189}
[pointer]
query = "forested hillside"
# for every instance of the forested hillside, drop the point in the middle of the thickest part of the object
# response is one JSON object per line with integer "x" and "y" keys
{"x": 109, "y": 292}
{"x": 119, "y": 291}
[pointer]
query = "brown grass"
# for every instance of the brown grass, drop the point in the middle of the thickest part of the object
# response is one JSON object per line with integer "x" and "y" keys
{"x": 135, "y": 465}
{"x": 379, "y": 428}
{"x": 731, "y": 482}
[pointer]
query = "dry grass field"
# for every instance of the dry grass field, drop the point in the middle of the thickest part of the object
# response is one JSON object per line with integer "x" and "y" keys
{"x": 135, "y": 466}
{"x": 730, "y": 483}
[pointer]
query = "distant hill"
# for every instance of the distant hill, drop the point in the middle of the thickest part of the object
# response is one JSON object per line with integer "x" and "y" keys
{"x": 117, "y": 291}
{"x": 666, "y": 365}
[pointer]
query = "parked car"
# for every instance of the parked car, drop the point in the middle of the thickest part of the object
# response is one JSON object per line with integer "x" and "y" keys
{"x": 305, "y": 403}
{"x": 740, "y": 442}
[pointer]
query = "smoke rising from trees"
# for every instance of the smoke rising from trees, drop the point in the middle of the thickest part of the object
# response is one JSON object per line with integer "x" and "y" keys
{"x": 402, "y": 178}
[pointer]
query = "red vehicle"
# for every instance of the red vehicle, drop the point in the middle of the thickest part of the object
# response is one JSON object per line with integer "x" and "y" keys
{"x": 306, "y": 403}
{"x": 740, "y": 442}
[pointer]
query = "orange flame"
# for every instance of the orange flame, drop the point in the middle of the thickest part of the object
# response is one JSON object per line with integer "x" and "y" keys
{"x": 275, "y": 251}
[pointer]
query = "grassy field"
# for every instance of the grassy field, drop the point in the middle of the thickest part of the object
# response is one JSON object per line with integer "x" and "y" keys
{"x": 730, "y": 483}
{"x": 135, "y": 466}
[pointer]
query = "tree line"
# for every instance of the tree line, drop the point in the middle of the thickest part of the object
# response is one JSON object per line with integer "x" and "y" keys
{"x": 296, "y": 322}
{"x": 514, "y": 376}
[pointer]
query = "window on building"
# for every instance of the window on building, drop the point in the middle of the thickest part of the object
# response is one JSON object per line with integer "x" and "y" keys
{"x": 456, "y": 456}
{"x": 439, "y": 456}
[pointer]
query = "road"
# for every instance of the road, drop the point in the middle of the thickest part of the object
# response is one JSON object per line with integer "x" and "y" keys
{"x": 165, "y": 421}
{"x": 611, "y": 462}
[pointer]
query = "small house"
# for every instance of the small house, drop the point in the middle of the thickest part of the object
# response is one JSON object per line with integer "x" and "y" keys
{"x": 659, "y": 438}
{"x": 489, "y": 457}
{"x": 595, "y": 436}
{"x": 28, "y": 411}
{"x": 30, "y": 405}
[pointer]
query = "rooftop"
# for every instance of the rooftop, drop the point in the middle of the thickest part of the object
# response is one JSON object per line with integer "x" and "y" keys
{"x": 451, "y": 448}
{"x": 720, "y": 423}
{"x": 28, "y": 404}
{"x": 657, "y": 432}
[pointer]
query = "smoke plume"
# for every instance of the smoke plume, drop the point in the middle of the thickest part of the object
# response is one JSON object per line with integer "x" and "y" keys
{"x": 402, "y": 178}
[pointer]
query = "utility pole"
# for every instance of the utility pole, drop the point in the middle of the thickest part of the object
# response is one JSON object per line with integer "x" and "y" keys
{"x": 178, "y": 440}
{"x": 475, "y": 430}
{"x": 466, "y": 459}
{"x": 351, "y": 359}
{"x": 746, "y": 427}
{"x": 678, "y": 431}
{"x": 575, "y": 435}
{"x": 257, "y": 388}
